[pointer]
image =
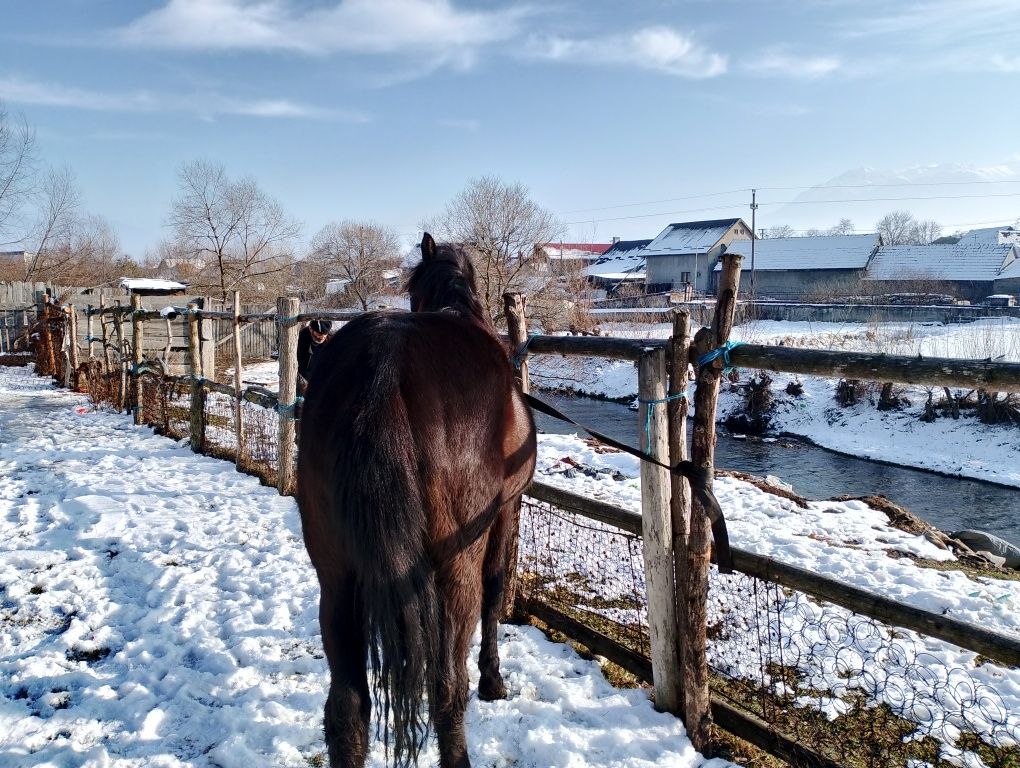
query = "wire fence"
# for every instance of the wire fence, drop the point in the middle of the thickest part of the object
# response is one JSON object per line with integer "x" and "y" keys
{"x": 846, "y": 687}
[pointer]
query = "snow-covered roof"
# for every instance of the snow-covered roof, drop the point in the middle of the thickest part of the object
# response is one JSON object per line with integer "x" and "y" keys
{"x": 689, "y": 236}
{"x": 990, "y": 236}
{"x": 962, "y": 261}
{"x": 575, "y": 250}
{"x": 624, "y": 261}
{"x": 1012, "y": 270}
{"x": 150, "y": 284}
{"x": 824, "y": 252}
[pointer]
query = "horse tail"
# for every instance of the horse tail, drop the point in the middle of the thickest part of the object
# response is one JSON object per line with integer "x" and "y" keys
{"x": 383, "y": 517}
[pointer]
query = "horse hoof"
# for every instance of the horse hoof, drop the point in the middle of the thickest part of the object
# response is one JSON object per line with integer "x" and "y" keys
{"x": 491, "y": 690}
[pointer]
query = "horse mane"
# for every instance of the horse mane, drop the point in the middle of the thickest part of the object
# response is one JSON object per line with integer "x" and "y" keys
{"x": 445, "y": 282}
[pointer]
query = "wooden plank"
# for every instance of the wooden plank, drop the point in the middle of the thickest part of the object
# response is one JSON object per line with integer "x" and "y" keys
{"x": 591, "y": 508}
{"x": 1000, "y": 648}
{"x": 762, "y": 735}
{"x": 238, "y": 383}
{"x": 694, "y": 586}
{"x": 287, "y": 310}
{"x": 515, "y": 307}
{"x": 680, "y": 490}
{"x": 137, "y": 346}
{"x": 933, "y": 371}
{"x": 595, "y": 346}
{"x": 633, "y": 662}
{"x": 657, "y": 531}
{"x": 197, "y": 374}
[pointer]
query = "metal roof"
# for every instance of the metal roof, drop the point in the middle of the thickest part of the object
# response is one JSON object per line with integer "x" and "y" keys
{"x": 824, "y": 252}
{"x": 689, "y": 236}
{"x": 962, "y": 261}
{"x": 625, "y": 260}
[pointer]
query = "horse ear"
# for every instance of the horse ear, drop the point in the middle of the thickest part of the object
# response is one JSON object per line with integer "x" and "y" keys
{"x": 428, "y": 247}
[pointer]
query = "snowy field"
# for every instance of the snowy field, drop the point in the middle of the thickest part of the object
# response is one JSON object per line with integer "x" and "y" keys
{"x": 963, "y": 447}
{"x": 158, "y": 609}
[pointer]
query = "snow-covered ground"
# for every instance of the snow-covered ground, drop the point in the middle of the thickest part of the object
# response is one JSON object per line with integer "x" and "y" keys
{"x": 963, "y": 447}
{"x": 158, "y": 609}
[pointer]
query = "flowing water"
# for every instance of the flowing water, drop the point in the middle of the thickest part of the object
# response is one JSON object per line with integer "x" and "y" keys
{"x": 949, "y": 503}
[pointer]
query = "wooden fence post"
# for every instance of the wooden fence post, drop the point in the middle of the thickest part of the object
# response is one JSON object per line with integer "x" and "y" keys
{"x": 680, "y": 490}
{"x": 137, "y": 338}
{"x": 697, "y": 713}
{"x": 72, "y": 317}
{"x": 89, "y": 312}
{"x": 122, "y": 392}
{"x": 515, "y": 306}
{"x": 657, "y": 531}
{"x": 65, "y": 347}
{"x": 197, "y": 378}
{"x": 238, "y": 424}
{"x": 287, "y": 310}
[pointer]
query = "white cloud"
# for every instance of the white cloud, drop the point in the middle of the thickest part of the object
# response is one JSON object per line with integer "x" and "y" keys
{"x": 207, "y": 104}
{"x": 660, "y": 49}
{"x": 780, "y": 63}
{"x": 353, "y": 26}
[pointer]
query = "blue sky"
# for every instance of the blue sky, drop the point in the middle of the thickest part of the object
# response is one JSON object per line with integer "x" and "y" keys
{"x": 385, "y": 109}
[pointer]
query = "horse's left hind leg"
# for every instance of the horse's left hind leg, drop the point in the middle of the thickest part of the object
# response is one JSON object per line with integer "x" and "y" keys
{"x": 490, "y": 683}
{"x": 348, "y": 706}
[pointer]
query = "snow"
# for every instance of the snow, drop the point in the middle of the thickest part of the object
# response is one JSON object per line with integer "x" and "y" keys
{"x": 150, "y": 284}
{"x": 964, "y": 447}
{"x": 158, "y": 609}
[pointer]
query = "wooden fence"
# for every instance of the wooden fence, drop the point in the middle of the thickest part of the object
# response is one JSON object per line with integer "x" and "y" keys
{"x": 674, "y": 530}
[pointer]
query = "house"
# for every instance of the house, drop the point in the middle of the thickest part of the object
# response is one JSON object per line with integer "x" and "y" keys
{"x": 1008, "y": 279}
{"x": 563, "y": 258}
{"x": 622, "y": 264}
{"x": 970, "y": 270}
{"x": 789, "y": 267}
{"x": 1004, "y": 235}
{"x": 685, "y": 253}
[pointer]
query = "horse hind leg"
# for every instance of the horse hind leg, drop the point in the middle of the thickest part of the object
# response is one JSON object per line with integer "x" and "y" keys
{"x": 348, "y": 705}
{"x": 448, "y": 691}
{"x": 490, "y": 682}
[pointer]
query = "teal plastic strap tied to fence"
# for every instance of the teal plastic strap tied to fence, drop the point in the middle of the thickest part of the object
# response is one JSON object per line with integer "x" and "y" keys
{"x": 723, "y": 352}
{"x": 648, "y": 414}
{"x": 522, "y": 351}
{"x": 289, "y": 410}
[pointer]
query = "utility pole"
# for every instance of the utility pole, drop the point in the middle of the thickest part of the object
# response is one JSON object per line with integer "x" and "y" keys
{"x": 754, "y": 207}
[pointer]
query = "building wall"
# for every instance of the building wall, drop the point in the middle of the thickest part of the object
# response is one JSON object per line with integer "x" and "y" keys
{"x": 667, "y": 271}
{"x": 797, "y": 282}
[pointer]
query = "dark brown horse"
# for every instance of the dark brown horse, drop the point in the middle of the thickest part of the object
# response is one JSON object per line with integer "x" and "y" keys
{"x": 415, "y": 447}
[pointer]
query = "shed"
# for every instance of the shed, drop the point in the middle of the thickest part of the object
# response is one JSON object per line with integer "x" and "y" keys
{"x": 970, "y": 270}
{"x": 679, "y": 254}
{"x": 148, "y": 286}
{"x": 621, "y": 264}
{"x": 790, "y": 267}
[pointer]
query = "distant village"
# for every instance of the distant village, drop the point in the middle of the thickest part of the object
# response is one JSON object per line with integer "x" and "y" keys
{"x": 979, "y": 266}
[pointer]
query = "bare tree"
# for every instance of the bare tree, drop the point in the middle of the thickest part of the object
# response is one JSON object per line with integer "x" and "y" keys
{"x": 59, "y": 213}
{"x": 17, "y": 170}
{"x": 362, "y": 253}
{"x": 778, "y": 230}
{"x": 844, "y": 227}
{"x": 504, "y": 230}
{"x": 240, "y": 233}
{"x": 901, "y": 228}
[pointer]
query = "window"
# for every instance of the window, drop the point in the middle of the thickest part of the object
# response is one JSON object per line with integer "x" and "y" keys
{"x": 685, "y": 277}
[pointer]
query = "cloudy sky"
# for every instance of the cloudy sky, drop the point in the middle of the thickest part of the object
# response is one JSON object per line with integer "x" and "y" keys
{"x": 619, "y": 117}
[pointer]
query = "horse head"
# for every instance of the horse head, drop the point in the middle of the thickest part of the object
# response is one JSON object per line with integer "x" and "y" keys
{"x": 444, "y": 280}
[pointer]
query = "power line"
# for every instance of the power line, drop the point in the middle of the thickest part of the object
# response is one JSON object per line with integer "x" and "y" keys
{"x": 889, "y": 199}
{"x": 653, "y": 215}
{"x": 807, "y": 188}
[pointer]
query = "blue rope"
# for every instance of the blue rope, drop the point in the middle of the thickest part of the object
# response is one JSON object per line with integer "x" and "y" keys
{"x": 723, "y": 352}
{"x": 651, "y": 407}
{"x": 522, "y": 352}
{"x": 293, "y": 319}
{"x": 289, "y": 410}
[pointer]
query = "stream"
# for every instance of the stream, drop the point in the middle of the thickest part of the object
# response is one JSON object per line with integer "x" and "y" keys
{"x": 948, "y": 503}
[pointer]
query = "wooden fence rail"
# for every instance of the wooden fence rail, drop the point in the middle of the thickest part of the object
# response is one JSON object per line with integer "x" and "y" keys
{"x": 655, "y": 356}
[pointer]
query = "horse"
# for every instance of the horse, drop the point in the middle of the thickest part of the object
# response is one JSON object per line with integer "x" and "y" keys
{"x": 415, "y": 447}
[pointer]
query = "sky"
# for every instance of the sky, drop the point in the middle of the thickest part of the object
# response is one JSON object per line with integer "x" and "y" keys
{"x": 619, "y": 117}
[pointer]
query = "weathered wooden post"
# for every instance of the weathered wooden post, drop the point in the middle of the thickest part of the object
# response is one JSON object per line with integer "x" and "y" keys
{"x": 197, "y": 379}
{"x": 72, "y": 321}
{"x": 287, "y": 309}
{"x": 105, "y": 341}
{"x": 89, "y": 312}
{"x": 238, "y": 387}
{"x": 694, "y": 587}
{"x": 5, "y": 336}
{"x": 680, "y": 491}
{"x": 137, "y": 339}
{"x": 657, "y": 531}
{"x": 515, "y": 306}
{"x": 122, "y": 389}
